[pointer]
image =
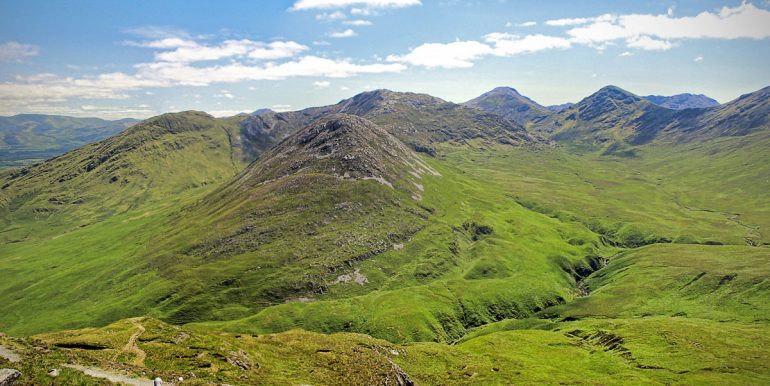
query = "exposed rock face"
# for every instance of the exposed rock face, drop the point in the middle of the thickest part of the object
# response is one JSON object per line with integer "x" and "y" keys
{"x": 345, "y": 146}
{"x": 8, "y": 377}
{"x": 419, "y": 120}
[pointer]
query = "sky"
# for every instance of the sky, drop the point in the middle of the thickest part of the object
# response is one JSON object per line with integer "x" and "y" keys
{"x": 115, "y": 59}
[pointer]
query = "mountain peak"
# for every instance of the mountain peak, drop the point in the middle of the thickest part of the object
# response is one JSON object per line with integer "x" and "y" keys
{"x": 509, "y": 103}
{"x": 344, "y": 146}
{"x": 383, "y": 100}
{"x": 506, "y": 90}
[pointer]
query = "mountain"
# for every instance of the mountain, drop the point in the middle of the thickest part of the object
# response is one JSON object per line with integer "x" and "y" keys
{"x": 682, "y": 101}
{"x": 607, "y": 117}
{"x": 614, "y": 119}
{"x": 557, "y": 108}
{"x": 26, "y": 138}
{"x": 261, "y": 111}
{"x": 419, "y": 120}
{"x": 158, "y": 157}
{"x": 401, "y": 241}
{"x": 339, "y": 191}
{"x": 507, "y": 102}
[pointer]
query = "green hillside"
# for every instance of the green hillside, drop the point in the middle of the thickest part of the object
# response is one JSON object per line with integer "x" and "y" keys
{"x": 396, "y": 238}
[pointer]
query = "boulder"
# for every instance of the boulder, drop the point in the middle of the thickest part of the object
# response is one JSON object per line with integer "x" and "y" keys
{"x": 8, "y": 377}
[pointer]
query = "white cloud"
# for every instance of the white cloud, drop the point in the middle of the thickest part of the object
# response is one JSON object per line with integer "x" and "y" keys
{"x": 527, "y": 24}
{"x": 358, "y": 23}
{"x": 348, "y": 33}
{"x": 508, "y": 45}
{"x": 646, "y": 31}
{"x": 460, "y": 54}
{"x": 330, "y": 16}
{"x": 627, "y": 53}
{"x": 48, "y": 87}
{"x": 344, "y": 88}
{"x": 698, "y": 59}
{"x": 580, "y": 20}
{"x": 325, "y": 4}
{"x": 190, "y": 51}
{"x": 321, "y": 43}
{"x": 321, "y": 84}
{"x": 15, "y": 51}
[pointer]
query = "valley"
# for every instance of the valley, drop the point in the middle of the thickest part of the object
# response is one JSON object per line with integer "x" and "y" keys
{"x": 395, "y": 238}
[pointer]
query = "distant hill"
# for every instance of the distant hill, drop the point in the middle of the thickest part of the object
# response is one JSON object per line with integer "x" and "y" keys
{"x": 26, "y": 138}
{"x": 557, "y": 108}
{"x": 682, "y": 101}
{"x": 614, "y": 119}
{"x": 507, "y": 102}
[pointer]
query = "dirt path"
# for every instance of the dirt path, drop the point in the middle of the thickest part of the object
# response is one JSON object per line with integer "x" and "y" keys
{"x": 131, "y": 345}
{"x": 112, "y": 377}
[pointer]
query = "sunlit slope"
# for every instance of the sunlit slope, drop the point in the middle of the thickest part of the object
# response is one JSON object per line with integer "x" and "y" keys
{"x": 724, "y": 283}
{"x": 73, "y": 227}
{"x": 155, "y": 161}
{"x": 611, "y": 351}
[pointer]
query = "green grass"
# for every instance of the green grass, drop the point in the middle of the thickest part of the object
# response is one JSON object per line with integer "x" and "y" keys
{"x": 725, "y": 283}
{"x": 658, "y": 350}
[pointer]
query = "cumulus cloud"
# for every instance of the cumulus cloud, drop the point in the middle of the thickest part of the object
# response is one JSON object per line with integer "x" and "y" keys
{"x": 15, "y": 51}
{"x": 460, "y": 54}
{"x": 656, "y": 32}
{"x": 348, "y": 33}
{"x": 325, "y": 4}
{"x": 527, "y": 24}
{"x": 160, "y": 74}
{"x": 698, "y": 59}
{"x": 321, "y": 84}
{"x": 627, "y": 53}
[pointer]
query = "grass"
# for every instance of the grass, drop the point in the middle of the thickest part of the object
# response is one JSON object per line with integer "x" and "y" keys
{"x": 657, "y": 350}
{"x": 724, "y": 283}
{"x": 485, "y": 271}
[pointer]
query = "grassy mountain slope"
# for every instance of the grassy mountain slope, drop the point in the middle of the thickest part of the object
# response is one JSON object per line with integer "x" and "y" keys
{"x": 72, "y": 227}
{"x": 723, "y": 283}
{"x": 507, "y": 102}
{"x": 481, "y": 264}
{"x": 610, "y": 351}
{"x": 155, "y": 161}
{"x": 616, "y": 121}
{"x": 26, "y": 138}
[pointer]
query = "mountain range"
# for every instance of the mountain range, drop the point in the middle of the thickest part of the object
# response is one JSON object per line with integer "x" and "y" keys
{"x": 27, "y": 138}
{"x": 397, "y": 238}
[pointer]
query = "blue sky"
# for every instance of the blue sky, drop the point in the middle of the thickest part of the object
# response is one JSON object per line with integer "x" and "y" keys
{"x": 136, "y": 59}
